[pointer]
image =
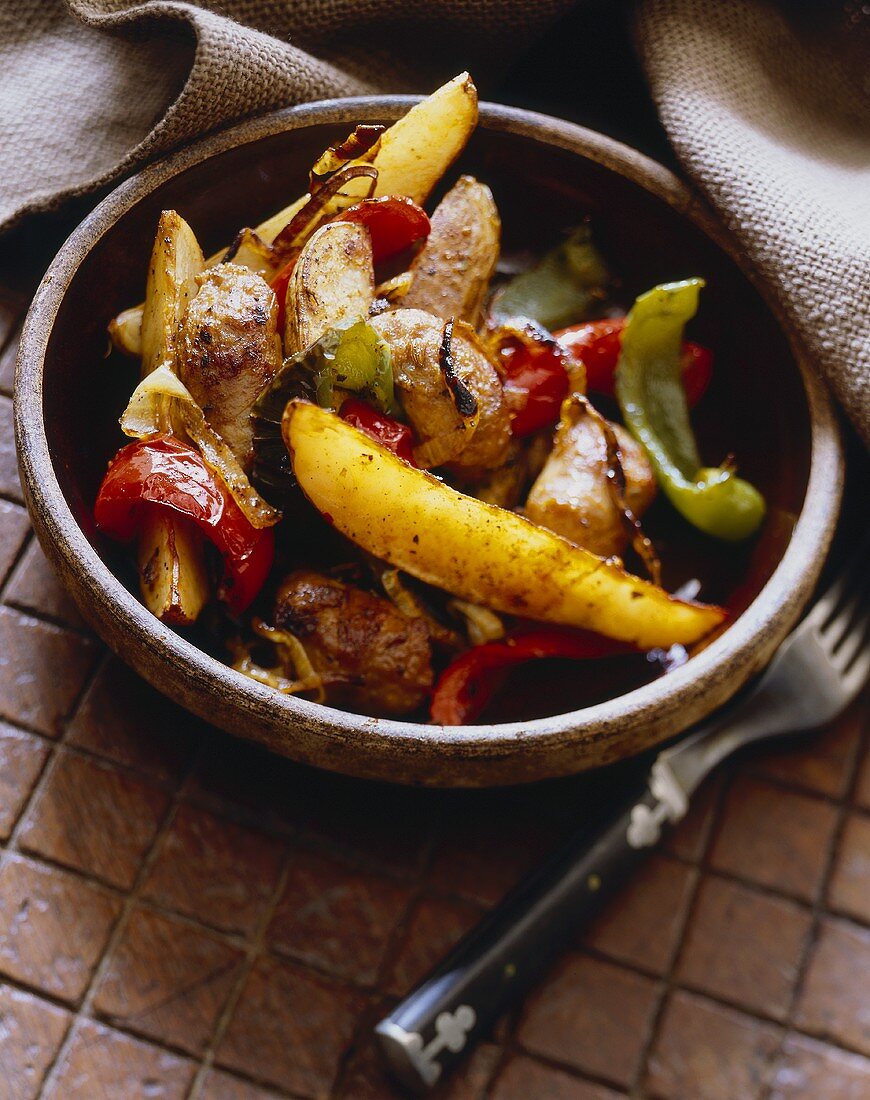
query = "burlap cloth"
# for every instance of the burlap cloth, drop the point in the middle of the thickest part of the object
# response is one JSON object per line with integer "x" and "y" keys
{"x": 767, "y": 106}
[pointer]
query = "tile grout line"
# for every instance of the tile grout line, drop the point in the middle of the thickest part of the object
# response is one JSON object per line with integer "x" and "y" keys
{"x": 86, "y": 1002}
{"x": 512, "y": 1045}
{"x": 667, "y": 981}
{"x": 819, "y": 911}
{"x": 254, "y": 951}
{"x": 395, "y": 942}
{"x": 55, "y": 744}
{"x": 11, "y": 847}
{"x": 17, "y": 558}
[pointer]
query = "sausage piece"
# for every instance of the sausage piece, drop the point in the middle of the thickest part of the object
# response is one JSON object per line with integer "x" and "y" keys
{"x": 229, "y": 350}
{"x": 571, "y": 495}
{"x": 382, "y": 656}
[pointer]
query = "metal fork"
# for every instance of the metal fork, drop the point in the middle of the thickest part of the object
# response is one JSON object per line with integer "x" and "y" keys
{"x": 820, "y": 668}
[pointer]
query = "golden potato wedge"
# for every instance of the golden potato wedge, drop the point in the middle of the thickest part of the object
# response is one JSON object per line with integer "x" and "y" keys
{"x": 333, "y": 282}
{"x": 417, "y": 150}
{"x": 172, "y": 572}
{"x": 452, "y": 272}
{"x": 176, "y": 260}
{"x": 412, "y": 155}
{"x": 475, "y": 550}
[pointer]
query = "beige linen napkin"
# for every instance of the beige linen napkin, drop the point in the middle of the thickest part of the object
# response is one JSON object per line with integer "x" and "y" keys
{"x": 768, "y": 112}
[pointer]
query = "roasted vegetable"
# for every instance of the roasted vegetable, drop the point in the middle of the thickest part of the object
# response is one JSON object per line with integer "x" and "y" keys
{"x": 331, "y": 285}
{"x": 595, "y": 344}
{"x": 176, "y": 260}
{"x": 357, "y": 360}
{"x": 452, "y": 272}
{"x": 653, "y": 401}
{"x": 537, "y": 373}
{"x": 474, "y": 550}
{"x": 385, "y": 429}
{"x": 172, "y": 575}
{"x": 470, "y": 681}
{"x": 562, "y": 288}
{"x": 352, "y": 359}
{"x": 395, "y": 224}
{"x": 459, "y": 416}
{"x": 416, "y": 151}
{"x": 411, "y": 157}
{"x": 163, "y": 473}
{"x": 142, "y": 420}
{"x": 170, "y": 557}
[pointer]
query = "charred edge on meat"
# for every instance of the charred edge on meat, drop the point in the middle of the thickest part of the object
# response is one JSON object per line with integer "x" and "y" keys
{"x": 463, "y": 398}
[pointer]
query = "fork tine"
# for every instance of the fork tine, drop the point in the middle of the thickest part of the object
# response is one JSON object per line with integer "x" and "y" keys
{"x": 856, "y": 676}
{"x": 853, "y": 645}
{"x": 855, "y": 572}
{"x": 849, "y": 618}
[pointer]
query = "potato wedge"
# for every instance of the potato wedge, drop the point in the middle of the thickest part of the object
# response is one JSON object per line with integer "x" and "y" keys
{"x": 412, "y": 156}
{"x": 176, "y": 260}
{"x": 452, "y": 272}
{"x": 333, "y": 282}
{"x": 172, "y": 572}
{"x": 417, "y": 150}
{"x": 475, "y": 550}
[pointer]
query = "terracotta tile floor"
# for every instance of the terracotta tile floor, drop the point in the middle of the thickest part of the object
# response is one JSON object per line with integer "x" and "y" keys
{"x": 182, "y": 915}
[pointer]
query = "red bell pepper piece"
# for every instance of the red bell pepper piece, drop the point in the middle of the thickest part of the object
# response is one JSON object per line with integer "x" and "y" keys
{"x": 394, "y": 222}
{"x": 468, "y": 683}
{"x": 597, "y": 344}
{"x": 279, "y": 285}
{"x": 384, "y": 429}
{"x": 163, "y": 472}
{"x": 535, "y": 381}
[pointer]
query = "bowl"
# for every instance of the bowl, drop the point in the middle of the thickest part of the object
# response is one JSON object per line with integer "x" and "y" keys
{"x": 545, "y": 174}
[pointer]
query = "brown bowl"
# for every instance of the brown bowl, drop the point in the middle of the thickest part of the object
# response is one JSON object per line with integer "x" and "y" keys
{"x": 546, "y": 174}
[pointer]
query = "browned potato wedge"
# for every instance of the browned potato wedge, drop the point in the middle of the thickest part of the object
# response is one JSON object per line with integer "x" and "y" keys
{"x": 172, "y": 573}
{"x": 415, "y": 343}
{"x": 333, "y": 282}
{"x": 474, "y": 550}
{"x": 176, "y": 260}
{"x": 452, "y": 272}
{"x": 413, "y": 154}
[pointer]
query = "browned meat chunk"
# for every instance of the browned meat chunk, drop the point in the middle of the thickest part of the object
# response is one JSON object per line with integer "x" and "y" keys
{"x": 382, "y": 655}
{"x": 415, "y": 342}
{"x": 572, "y": 496}
{"x": 230, "y": 349}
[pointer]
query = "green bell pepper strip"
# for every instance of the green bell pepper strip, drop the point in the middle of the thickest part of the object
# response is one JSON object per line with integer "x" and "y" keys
{"x": 356, "y": 359}
{"x": 561, "y": 289}
{"x": 653, "y": 402}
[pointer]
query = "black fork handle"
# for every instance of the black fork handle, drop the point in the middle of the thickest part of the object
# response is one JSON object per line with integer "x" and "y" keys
{"x": 434, "y": 1026}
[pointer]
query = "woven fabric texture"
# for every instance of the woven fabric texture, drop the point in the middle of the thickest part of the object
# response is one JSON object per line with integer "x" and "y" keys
{"x": 767, "y": 106}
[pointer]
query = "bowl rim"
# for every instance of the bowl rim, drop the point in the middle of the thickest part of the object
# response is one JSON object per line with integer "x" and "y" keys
{"x": 744, "y": 646}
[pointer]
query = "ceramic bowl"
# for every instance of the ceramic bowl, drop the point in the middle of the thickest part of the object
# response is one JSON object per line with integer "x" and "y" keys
{"x": 767, "y": 404}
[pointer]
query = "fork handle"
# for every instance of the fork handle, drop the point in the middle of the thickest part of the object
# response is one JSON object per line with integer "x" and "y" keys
{"x": 433, "y": 1027}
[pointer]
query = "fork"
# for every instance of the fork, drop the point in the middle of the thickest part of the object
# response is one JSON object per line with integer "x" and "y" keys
{"x": 820, "y": 668}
